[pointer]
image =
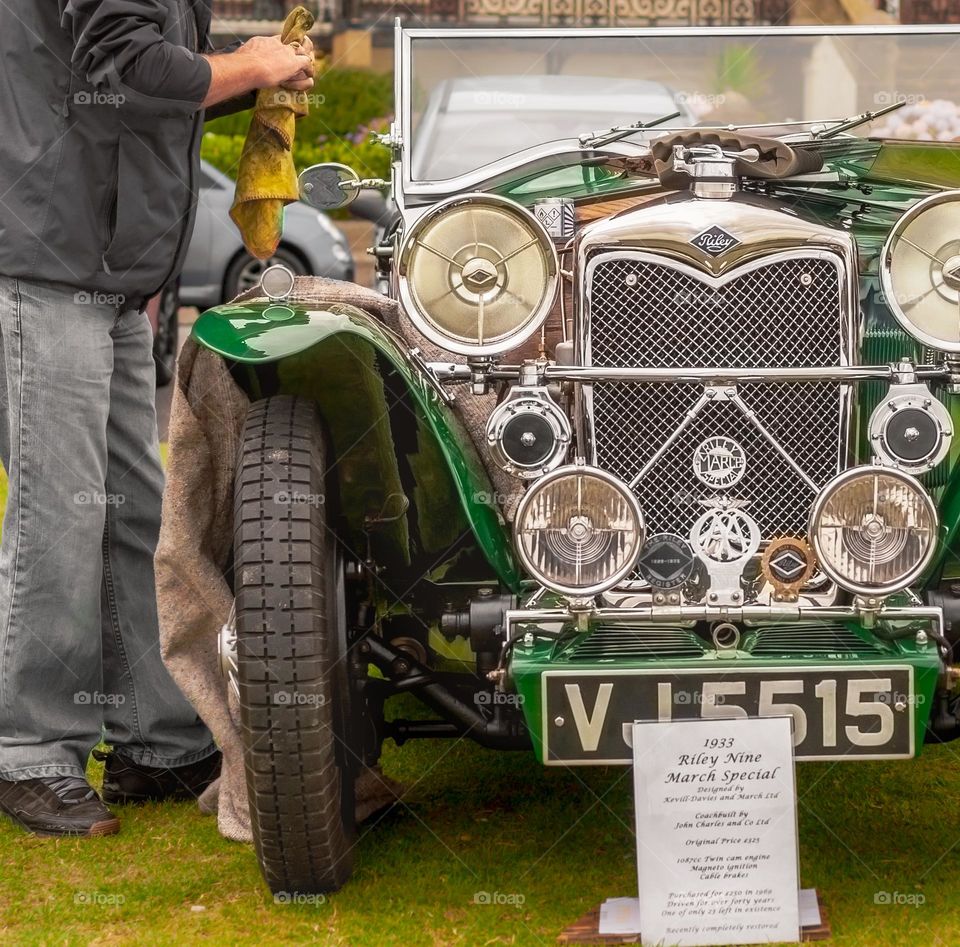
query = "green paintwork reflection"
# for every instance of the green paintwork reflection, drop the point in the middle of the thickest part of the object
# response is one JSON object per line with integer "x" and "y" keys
{"x": 244, "y": 333}
{"x": 573, "y": 181}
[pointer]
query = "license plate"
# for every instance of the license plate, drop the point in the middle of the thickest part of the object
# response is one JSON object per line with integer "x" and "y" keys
{"x": 861, "y": 713}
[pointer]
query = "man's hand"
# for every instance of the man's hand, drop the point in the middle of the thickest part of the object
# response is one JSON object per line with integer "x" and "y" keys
{"x": 260, "y": 63}
{"x": 303, "y": 81}
{"x": 273, "y": 62}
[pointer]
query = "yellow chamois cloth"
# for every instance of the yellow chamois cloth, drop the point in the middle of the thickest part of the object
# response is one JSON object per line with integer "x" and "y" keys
{"x": 267, "y": 177}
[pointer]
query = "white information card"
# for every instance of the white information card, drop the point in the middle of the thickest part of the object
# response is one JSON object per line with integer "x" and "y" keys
{"x": 716, "y": 831}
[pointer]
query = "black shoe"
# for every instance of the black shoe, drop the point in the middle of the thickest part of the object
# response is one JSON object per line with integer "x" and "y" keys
{"x": 57, "y": 805}
{"x": 125, "y": 781}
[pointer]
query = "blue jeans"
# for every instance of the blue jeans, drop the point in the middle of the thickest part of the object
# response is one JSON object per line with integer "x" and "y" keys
{"x": 79, "y": 640}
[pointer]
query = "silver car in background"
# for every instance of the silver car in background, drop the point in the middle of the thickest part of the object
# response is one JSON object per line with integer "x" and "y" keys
{"x": 218, "y": 267}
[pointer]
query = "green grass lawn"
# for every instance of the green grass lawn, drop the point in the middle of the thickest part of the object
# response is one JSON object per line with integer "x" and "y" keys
{"x": 554, "y": 842}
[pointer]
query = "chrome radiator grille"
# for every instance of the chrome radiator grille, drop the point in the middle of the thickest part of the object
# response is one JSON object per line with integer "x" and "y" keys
{"x": 645, "y": 312}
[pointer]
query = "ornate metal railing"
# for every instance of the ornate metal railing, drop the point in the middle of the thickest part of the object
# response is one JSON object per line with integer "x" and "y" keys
{"x": 575, "y": 12}
{"x": 929, "y": 11}
{"x": 275, "y": 10}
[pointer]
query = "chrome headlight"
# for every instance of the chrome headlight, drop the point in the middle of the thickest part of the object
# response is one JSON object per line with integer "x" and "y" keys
{"x": 920, "y": 271}
{"x": 477, "y": 274}
{"x": 579, "y": 530}
{"x": 874, "y": 530}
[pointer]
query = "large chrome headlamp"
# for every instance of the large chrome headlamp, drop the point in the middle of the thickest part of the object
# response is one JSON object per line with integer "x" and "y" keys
{"x": 477, "y": 274}
{"x": 874, "y": 530}
{"x": 579, "y": 530}
{"x": 920, "y": 271}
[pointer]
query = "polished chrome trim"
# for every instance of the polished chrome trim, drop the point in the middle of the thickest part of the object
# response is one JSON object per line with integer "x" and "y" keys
{"x": 537, "y": 318}
{"x": 658, "y": 31}
{"x": 515, "y": 621}
{"x": 886, "y": 276}
{"x": 548, "y": 156}
{"x": 453, "y": 372}
{"x": 579, "y": 470}
{"x": 720, "y": 376}
{"x": 869, "y": 471}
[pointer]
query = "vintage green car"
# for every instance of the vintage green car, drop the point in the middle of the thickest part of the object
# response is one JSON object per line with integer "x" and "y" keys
{"x": 655, "y": 419}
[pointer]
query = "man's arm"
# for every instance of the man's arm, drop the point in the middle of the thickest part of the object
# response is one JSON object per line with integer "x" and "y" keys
{"x": 120, "y": 44}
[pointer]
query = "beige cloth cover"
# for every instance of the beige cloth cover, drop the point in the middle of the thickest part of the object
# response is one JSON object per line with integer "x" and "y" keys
{"x": 196, "y": 536}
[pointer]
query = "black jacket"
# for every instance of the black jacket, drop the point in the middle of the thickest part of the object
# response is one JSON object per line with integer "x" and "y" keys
{"x": 100, "y": 125}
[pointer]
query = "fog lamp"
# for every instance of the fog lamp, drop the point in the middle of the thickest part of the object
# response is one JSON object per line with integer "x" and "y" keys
{"x": 874, "y": 530}
{"x": 579, "y": 530}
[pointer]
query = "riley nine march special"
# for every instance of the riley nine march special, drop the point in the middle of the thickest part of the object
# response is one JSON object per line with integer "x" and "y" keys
{"x": 654, "y": 419}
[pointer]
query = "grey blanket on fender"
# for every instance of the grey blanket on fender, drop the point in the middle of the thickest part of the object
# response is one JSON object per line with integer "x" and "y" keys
{"x": 196, "y": 536}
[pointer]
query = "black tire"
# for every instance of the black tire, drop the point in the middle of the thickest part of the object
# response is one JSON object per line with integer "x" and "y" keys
{"x": 243, "y": 273}
{"x": 165, "y": 342}
{"x": 291, "y": 645}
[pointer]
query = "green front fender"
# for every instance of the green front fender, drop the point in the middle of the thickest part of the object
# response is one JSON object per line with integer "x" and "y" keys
{"x": 291, "y": 348}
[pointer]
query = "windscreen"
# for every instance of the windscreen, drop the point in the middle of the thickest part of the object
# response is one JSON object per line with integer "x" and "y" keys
{"x": 474, "y": 99}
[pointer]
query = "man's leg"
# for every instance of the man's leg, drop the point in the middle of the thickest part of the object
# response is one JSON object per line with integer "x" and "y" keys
{"x": 146, "y": 717}
{"x": 58, "y": 360}
{"x": 4, "y": 407}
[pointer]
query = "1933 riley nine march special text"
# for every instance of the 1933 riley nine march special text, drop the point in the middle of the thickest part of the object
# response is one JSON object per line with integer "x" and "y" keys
{"x": 664, "y": 428}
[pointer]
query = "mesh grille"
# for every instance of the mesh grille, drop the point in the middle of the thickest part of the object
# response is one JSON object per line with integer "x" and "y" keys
{"x": 786, "y": 314}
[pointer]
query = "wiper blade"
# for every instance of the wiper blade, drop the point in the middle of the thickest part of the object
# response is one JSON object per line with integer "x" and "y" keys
{"x": 862, "y": 119}
{"x": 606, "y": 136}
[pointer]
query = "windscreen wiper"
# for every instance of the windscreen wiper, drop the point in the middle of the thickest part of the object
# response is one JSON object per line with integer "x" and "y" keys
{"x": 606, "y": 136}
{"x": 850, "y": 123}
